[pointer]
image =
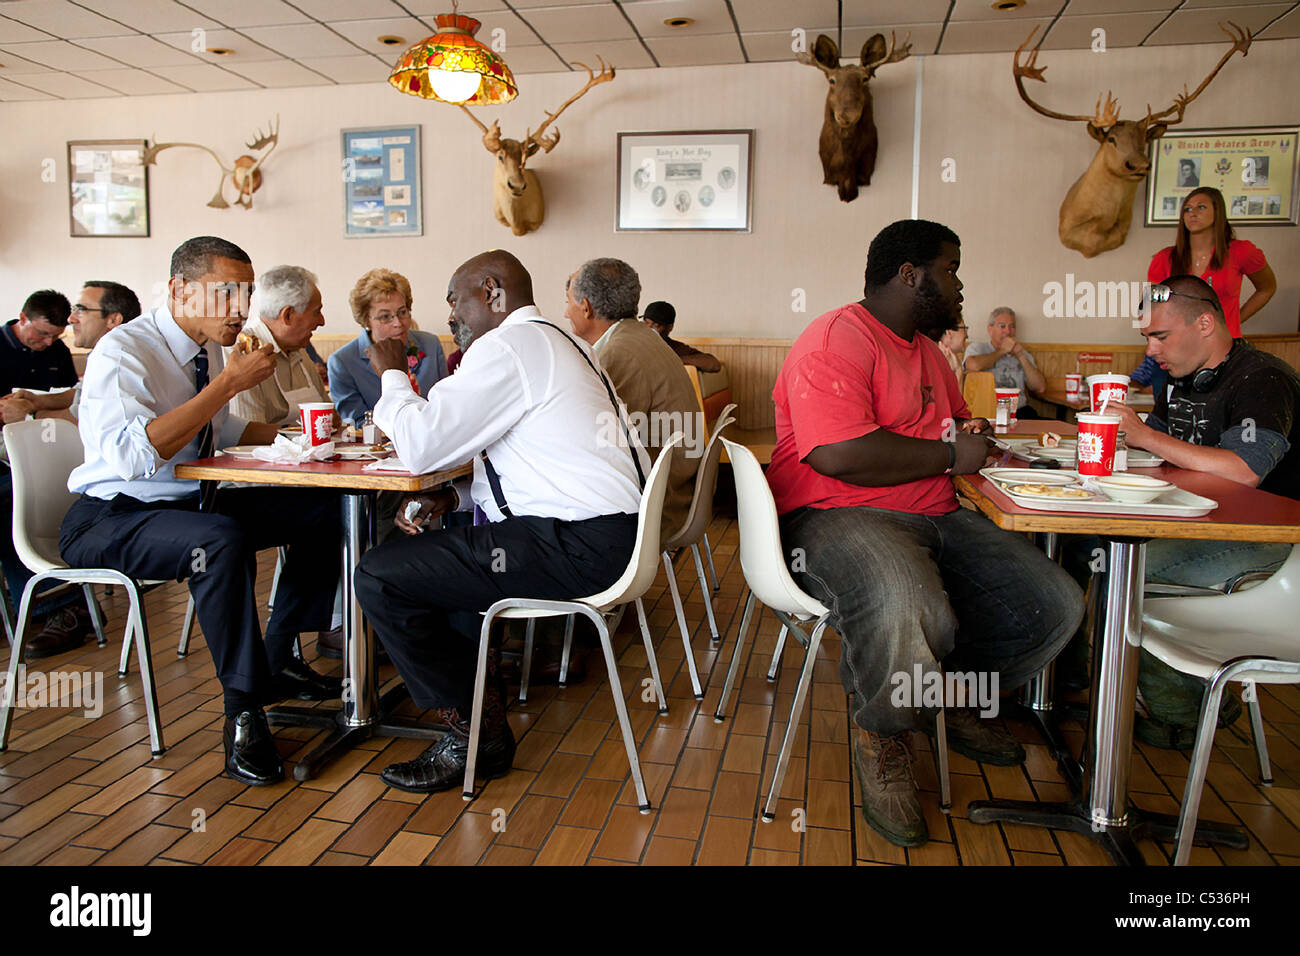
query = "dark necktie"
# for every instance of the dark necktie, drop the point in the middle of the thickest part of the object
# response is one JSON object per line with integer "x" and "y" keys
{"x": 207, "y": 489}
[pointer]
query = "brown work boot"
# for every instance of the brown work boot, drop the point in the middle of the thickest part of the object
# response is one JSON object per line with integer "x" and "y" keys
{"x": 981, "y": 740}
{"x": 889, "y": 800}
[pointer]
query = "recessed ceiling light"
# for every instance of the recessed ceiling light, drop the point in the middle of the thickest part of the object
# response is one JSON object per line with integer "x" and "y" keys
{"x": 679, "y": 22}
{"x": 389, "y": 40}
{"x": 1008, "y": 4}
{"x": 221, "y": 51}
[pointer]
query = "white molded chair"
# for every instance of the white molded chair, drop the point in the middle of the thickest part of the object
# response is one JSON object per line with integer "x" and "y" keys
{"x": 42, "y": 454}
{"x": 1249, "y": 637}
{"x": 634, "y": 582}
{"x": 762, "y": 560}
{"x": 698, "y": 518}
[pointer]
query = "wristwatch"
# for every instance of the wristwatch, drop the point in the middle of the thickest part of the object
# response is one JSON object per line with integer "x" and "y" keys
{"x": 952, "y": 457}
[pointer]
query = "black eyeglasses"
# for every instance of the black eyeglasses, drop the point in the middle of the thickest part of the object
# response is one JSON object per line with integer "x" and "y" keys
{"x": 79, "y": 309}
{"x": 1161, "y": 293}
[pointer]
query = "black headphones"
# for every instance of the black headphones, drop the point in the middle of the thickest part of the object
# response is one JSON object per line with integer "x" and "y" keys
{"x": 1203, "y": 380}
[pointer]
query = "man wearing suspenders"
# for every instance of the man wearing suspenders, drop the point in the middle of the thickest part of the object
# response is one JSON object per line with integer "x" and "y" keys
{"x": 556, "y": 502}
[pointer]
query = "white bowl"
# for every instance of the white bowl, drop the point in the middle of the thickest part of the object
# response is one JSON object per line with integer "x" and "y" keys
{"x": 1132, "y": 489}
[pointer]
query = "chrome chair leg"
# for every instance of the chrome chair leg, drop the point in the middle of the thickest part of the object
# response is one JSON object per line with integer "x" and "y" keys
{"x": 1250, "y": 691}
{"x": 796, "y": 712}
{"x": 650, "y": 657}
{"x": 1196, "y": 773}
{"x": 748, "y": 613}
{"x": 526, "y": 665}
{"x": 681, "y": 624}
{"x": 776, "y": 654}
{"x": 941, "y": 761}
{"x": 625, "y": 725}
{"x": 708, "y": 554}
{"x": 95, "y": 619}
{"x": 568, "y": 649}
{"x": 476, "y": 714}
{"x": 704, "y": 592}
{"x": 124, "y": 659}
{"x": 9, "y": 692}
{"x": 187, "y": 628}
{"x": 140, "y": 627}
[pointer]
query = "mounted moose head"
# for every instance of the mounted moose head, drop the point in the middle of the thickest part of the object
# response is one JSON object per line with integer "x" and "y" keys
{"x": 848, "y": 139}
{"x": 245, "y": 173}
{"x": 516, "y": 194}
{"x": 1098, "y": 209}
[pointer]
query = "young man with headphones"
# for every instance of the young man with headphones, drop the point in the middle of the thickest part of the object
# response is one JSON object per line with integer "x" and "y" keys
{"x": 1231, "y": 410}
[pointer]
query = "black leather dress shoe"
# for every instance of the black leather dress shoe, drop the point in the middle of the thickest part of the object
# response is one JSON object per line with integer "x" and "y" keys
{"x": 330, "y": 644}
{"x": 299, "y": 681}
{"x": 442, "y": 766}
{"x": 62, "y": 632}
{"x": 251, "y": 756}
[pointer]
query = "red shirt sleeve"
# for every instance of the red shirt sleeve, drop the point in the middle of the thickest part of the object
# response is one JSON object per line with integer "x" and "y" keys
{"x": 829, "y": 400}
{"x": 1245, "y": 256}
{"x": 1161, "y": 265}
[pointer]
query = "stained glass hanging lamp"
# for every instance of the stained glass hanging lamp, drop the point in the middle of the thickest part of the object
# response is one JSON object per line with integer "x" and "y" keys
{"x": 453, "y": 67}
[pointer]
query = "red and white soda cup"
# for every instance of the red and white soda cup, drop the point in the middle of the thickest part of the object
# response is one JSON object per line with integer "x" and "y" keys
{"x": 317, "y": 421}
{"x": 1104, "y": 389}
{"x": 1096, "y": 449}
{"x": 1073, "y": 384}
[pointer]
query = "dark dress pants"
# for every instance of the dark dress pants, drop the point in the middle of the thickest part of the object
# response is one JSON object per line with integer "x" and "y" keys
{"x": 423, "y": 593}
{"x": 217, "y": 553}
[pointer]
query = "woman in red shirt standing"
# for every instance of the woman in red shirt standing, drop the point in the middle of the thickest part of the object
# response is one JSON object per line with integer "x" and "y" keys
{"x": 1205, "y": 247}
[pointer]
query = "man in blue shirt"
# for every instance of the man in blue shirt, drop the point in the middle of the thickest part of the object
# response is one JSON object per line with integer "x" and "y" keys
{"x": 155, "y": 394}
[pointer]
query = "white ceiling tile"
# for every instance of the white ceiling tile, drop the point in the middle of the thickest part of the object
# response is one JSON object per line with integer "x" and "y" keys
{"x": 523, "y": 60}
{"x": 62, "y": 55}
{"x": 16, "y": 65}
{"x": 206, "y": 78}
{"x": 328, "y": 10}
{"x": 580, "y": 24}
{"x": 154, "y": 16}
{"x": 988, "y": 36}
{"x": 1122, "y": 29}
{"x": 246, "y": 50}
{"x": 279, "y": 73}
{"x": 365, "y": 33}
{"x": 138, "y": 51}
{"x": 624, "y": 54}
{"x": 11, "y": 31}
{"x": 965, "y": 11}
{"x": 1201, "y": 26}
{"x": 15, "y": 92}
{"x": 63, "y": 19}
{"x": 248, "y": 13}
{"x": 349, "y": 69}
{"x": 301, "y": 40}
{"x": 1287, "y": 26}
{"x": 710, "y": 16}
{"x": 539, "y": 4}
{"x": 514, "y": 31}
{"x": 431, "y": 8}
{"x": 761, "y": 16}
{"x": 777, "y": 46}
{"x": 71, "y": 87}
{"x": 871, "y": 13}
{"x": 1193, "y": 4}
{"x": 1086, "y": 7}
{"x": 696, "y": 50}
{"x": 133, "y": 82}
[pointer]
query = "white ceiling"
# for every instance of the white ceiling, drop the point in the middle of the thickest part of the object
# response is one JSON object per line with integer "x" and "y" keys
{"x": 74, "y": 49}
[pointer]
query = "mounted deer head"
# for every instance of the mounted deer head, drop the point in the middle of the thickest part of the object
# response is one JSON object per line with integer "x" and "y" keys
{"x": 848, "y": 139}
{"x": 246, "y": 173}
{"x": 1098, "y": 210}
{"x": 516, "y": 194}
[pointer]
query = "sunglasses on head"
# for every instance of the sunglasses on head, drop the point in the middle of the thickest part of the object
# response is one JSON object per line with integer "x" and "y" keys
{"x": 1162, "y": 293}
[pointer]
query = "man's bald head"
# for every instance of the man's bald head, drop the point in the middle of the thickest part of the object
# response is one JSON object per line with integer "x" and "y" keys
{"x": 1195, "y": 297}
{"x": 483, "y": 291}
{"x": 507, "y": 272}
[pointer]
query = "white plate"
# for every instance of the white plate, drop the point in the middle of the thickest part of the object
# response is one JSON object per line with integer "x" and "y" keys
{"x": 241, "y": 451}
{"x": 1172, "y": 504}
{"x": 1030, "y": 476}
{"x": 1143, "y": 459}
{"x": 359, "y": 452}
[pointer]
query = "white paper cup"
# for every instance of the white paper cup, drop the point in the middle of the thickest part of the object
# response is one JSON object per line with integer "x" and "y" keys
{"x": 1073, "y": 384}
{"x": 317, "y": 421}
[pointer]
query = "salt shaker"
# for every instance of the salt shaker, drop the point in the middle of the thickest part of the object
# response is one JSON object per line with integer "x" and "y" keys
{"x": 369, "y": 430}
{"x": 1121, "y": 454}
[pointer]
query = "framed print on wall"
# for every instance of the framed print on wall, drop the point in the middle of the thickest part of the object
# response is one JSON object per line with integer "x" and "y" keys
{"x": 381, "y": 182}
{"x": 1254, "y": 168}
{"x": 692, "y": 179}
{"x": 108, "y": 188}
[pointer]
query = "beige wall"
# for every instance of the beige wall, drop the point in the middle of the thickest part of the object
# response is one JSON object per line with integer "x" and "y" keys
{"x": 1013, "y": 168}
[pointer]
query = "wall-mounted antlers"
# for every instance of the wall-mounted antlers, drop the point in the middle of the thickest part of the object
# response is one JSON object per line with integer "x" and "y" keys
{"x": 1098, "y": 210}
{"x": 848, "y": 143}
{"x": 246, "y": 173}
{"x": 516, "y": 194}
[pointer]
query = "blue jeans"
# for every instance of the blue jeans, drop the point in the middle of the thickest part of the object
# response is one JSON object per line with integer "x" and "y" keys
{"x": 951, "y": 590}
{"x": 18, "y": 574}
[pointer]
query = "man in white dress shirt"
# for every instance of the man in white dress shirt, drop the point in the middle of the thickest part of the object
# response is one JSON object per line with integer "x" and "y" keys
{"x": 527, "y": 404}
{"x": 154, "y": 394}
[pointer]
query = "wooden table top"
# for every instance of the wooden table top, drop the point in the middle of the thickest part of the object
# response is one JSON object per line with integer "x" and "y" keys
{"x": 316, "y": 474}
{"x": 1244, "y": 514}
{"x": 1057, "y": 396}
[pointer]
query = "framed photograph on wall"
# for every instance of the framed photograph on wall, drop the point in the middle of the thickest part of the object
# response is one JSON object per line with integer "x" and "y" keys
{"x": 108, "y": 188}
{"x": 1254, "y": 168}
{"x": 691, "y": 179}
{"x": 381, "y": 182}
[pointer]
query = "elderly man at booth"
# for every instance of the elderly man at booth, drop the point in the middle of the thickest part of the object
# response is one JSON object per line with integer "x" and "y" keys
{"x": 286, "y": 309}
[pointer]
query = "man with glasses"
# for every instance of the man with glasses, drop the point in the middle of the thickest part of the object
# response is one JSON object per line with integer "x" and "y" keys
{"x": 1009, "y": 361}
{"x": 1230, "y": 410}
{"x": 155, "y": 394}
{"x": 32, "y": 357}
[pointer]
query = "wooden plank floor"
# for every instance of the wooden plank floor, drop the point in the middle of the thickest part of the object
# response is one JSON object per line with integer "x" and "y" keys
{"x": 81, "y": 791}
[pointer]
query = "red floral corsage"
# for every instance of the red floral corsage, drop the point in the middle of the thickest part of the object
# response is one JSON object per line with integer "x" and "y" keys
{"x": 414, "y": 356}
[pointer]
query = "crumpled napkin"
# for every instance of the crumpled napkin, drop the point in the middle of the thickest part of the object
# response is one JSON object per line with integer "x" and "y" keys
{"x": 293, "y": 451}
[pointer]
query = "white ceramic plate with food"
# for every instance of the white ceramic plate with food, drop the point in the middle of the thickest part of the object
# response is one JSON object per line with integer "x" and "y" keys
{"x": 358, "y": 452}
{"x": 1030, "y": 476}
{"x": 241, "y": 451}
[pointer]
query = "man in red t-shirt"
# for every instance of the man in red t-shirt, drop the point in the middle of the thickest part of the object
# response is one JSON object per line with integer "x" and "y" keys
{"x": 870, "y": 426}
